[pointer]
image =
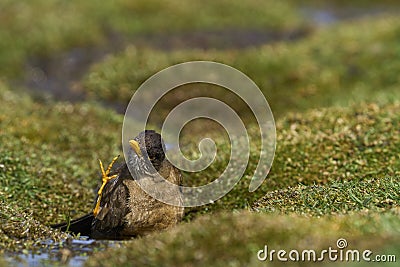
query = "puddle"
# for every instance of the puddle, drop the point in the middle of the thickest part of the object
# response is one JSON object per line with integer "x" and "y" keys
{"x": 44, "y": 259}
{"x": 71, "y": 252}
{"x": 55, "y": 77}
{"x": 326, "y": 15}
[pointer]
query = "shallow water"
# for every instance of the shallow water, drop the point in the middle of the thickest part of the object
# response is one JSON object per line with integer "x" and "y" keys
{"x": 322, "y": 16}
{"x": 71, "y": 252}
{"x": 43, "y": 259}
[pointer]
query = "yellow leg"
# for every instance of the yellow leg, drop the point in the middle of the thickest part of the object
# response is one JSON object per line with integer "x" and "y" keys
{"x": 105, "y": 178}
{"x": 97, "y": 208}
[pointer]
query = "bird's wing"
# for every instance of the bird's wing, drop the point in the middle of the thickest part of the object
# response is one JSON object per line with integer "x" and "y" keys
{"x": 113, "y": 208}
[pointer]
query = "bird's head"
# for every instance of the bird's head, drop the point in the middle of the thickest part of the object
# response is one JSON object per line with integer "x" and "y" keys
{"x": 146, "y": 148}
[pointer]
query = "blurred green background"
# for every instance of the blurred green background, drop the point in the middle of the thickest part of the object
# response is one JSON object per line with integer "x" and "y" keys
{"x": 329, "y": 70}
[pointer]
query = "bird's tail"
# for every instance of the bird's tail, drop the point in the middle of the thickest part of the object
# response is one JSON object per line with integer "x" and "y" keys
{"x": 80, "y": 226}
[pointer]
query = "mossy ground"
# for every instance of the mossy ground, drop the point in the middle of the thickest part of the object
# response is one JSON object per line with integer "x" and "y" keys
{"x": 233, "y": 239}
{"x": 335, "y": 93}
{"x": 336, "y": 65}
{"x": 42, "y": 28}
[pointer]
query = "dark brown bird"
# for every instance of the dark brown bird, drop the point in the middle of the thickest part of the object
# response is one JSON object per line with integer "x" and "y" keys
{"x": 122, "y": 208}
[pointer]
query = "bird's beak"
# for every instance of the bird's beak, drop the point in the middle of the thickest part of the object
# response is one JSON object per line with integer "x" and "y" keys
{"x": 135, "y": 145}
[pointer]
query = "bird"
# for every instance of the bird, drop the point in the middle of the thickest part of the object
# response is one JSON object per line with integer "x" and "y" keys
{"x": 123, "y": 209}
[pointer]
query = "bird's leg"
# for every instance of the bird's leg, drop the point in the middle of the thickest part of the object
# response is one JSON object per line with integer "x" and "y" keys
{"x": 105, "y": 178}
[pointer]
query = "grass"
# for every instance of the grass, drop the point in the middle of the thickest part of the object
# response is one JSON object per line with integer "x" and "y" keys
{"x": 48, "y": 166}
{"x": 334, "y": 198}
{"x": 233, "y": 239}
{"x": 20, "y": 230}
{"x": 334, "y": 93}
{"x": 40, "y": 29}
{"x": 318, "y": 71}
{"x": 57, "y": 169}
{"x": 320, "y": 147}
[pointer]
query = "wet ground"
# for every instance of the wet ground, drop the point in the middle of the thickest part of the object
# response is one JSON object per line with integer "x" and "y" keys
{"x": 57, "y": 78}
{"x": 73, "y": 252}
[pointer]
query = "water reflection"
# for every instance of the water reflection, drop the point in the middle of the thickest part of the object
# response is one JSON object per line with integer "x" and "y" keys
{"x": 71, "y": 252}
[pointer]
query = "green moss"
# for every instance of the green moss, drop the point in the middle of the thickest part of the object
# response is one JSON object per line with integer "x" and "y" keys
{"x": 374, "y": 194}
{"x": 49, "y": 152}
{"x": 321, "y": 146}
{"x": 42, "y": 28}
{"x": 49, "y": 165}
{"x": 346, "y": 63}
{"x": 20, "y": 230}
{"x": 172, "y": 15}
{"x": 233, "y": 239}
{"x": 336, "y": 169}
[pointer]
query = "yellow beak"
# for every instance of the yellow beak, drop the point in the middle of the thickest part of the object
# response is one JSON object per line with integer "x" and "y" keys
{"x": 135, "y": 145}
